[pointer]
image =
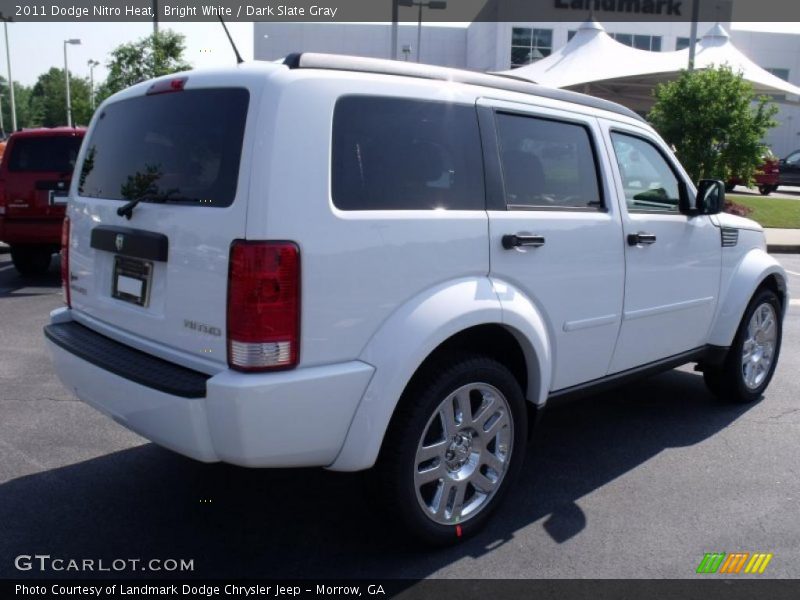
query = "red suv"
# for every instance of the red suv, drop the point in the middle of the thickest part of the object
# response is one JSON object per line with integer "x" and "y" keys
{"x": 34, "y": 182}
{"x": 766, "y": 177}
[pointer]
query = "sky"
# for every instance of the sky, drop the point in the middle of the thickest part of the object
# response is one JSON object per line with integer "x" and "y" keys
{"x": 35, "y": 47}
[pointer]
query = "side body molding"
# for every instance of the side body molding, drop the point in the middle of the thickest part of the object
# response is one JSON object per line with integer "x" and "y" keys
{"x": 408, "y": 337}
{"x": 739, "y": 283}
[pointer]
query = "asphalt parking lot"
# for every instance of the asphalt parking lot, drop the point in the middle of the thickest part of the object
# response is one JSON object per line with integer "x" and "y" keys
{"x": 640, "y": 482}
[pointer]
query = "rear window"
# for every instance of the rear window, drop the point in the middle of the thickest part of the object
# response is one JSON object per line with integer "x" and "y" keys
{"x": 397, "y": 154}
{"x": 181, "y": 147}
{"x": 55, "y": 153}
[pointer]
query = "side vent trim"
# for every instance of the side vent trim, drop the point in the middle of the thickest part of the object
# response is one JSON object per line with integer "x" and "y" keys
{"x": 730, "y": 237}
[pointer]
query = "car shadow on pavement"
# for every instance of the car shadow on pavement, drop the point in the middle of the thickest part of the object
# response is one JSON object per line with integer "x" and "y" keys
{"x": 147, "y": 502}
{"x": 12, "y": 282}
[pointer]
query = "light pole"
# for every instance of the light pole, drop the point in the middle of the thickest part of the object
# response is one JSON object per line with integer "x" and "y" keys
{"x": 6, "y": 21}
{"x": 693, "y": 33}
{"x": 92, "y": 64}
{"x": 393, "y": 53}
{"x": 432, "y": 5}
{"x": 73, "y": 41}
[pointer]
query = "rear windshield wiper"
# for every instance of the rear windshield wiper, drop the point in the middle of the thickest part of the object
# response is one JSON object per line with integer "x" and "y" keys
{"x": 127, "y": 210}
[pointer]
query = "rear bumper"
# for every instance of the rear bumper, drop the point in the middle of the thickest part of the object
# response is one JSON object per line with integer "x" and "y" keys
{"x": 30, "y": 231}
{"x": 283, "y": 419}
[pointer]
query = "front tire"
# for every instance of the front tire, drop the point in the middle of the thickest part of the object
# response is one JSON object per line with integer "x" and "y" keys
{"x": 765, "y": 190}
{"x": 752, "y": 358}
{"x": 454, "y": 447}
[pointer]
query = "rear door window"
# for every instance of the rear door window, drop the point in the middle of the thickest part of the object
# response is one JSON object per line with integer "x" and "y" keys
{"x": 547, "y": 164}
{"x": 182, "y": 147}
{"x": 398, "y": 154}
{"x": 44, "y": 154}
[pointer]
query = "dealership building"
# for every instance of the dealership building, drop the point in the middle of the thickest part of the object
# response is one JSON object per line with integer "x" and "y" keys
{"x": 499, "y": 46}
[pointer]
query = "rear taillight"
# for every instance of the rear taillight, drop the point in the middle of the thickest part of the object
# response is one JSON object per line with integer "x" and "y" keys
{"x": 263, "y": 305}
{"x": 65, "y": 261}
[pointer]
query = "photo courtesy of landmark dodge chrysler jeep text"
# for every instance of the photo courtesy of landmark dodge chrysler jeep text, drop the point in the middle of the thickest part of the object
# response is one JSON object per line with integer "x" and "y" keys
{"x": 357, "y": 263}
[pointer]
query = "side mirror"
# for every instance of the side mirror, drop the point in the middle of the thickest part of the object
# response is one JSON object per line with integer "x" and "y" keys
{"x": 710, "y": 197}
{"x": 709, "y": 200}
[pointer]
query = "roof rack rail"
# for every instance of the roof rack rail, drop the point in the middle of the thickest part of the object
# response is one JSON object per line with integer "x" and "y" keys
{"x": 340, "y": 62}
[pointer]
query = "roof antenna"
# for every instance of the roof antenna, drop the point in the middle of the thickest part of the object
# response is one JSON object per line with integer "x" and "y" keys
{"x": 239, "y": 59}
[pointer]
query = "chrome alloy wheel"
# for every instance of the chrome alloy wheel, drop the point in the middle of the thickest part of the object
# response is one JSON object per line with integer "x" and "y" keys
{"x": 463, "y": 453}
{"x": 758, "y": 349}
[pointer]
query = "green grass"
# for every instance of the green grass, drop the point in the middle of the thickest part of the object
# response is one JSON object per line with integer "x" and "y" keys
{"x": 770, "y": 212}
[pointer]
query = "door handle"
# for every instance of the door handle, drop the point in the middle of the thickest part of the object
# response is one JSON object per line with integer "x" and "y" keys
{"x": 513, "y": 240}
{"x": 634, "y": 239}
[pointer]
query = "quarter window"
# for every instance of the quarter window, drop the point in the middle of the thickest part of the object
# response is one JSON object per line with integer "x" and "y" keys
{"x": 547, "y": 163}
{"x": 648, "y": 180}
{"x": 397, "y": 154}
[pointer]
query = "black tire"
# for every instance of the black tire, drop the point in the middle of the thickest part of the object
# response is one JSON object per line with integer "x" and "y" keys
{"x": 728, "y": 382}
{"x": 765, "y": 190}
{"x": 31, "y": 260}
{"x": 729, "y": 187}
{"x": 415, "y": 417}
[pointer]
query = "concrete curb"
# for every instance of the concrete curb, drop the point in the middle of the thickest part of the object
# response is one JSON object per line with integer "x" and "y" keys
{"x": 783, "y": 249}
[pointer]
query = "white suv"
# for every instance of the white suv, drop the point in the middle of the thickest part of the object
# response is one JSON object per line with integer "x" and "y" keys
{"x": 355, "y": 263}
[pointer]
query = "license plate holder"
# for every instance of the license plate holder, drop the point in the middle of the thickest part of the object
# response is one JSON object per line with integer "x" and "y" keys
{"x": 132, "y": 279}
{"x": 58, "y": 197}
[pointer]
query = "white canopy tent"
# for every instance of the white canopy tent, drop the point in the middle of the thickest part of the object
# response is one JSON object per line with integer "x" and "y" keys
{"x": 595, "y": 63}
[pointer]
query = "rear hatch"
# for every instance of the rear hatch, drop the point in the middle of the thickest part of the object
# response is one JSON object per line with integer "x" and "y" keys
{"x": 158, "y": 280}
{"x": 36, "y": 173}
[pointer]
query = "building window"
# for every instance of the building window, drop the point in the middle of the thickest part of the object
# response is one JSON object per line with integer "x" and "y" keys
{"x": 642, "y": 42}
{"x": 529, "y": 45}
{"x": 681, "y": 43}
{"x": 782, "y": 74}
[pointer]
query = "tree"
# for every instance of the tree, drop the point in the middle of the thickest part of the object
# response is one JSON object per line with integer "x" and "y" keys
{"x": 48, "y": 105}
{"x": 715, "y": 122}
{"x": 152, "y": 56}
{"x": 22, "y": 94}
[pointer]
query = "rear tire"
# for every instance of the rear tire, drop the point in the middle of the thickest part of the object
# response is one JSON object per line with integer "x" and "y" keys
{"x": 31, "y": 260}
{"x": 752, "y": 358}
{"x": 455, "y": 445}
{"x": 729, "y": 187}
{"x": 765, "y": 190}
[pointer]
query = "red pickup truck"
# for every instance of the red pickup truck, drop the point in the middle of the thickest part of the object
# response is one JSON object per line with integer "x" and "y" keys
{"x": 35, "y": 175}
